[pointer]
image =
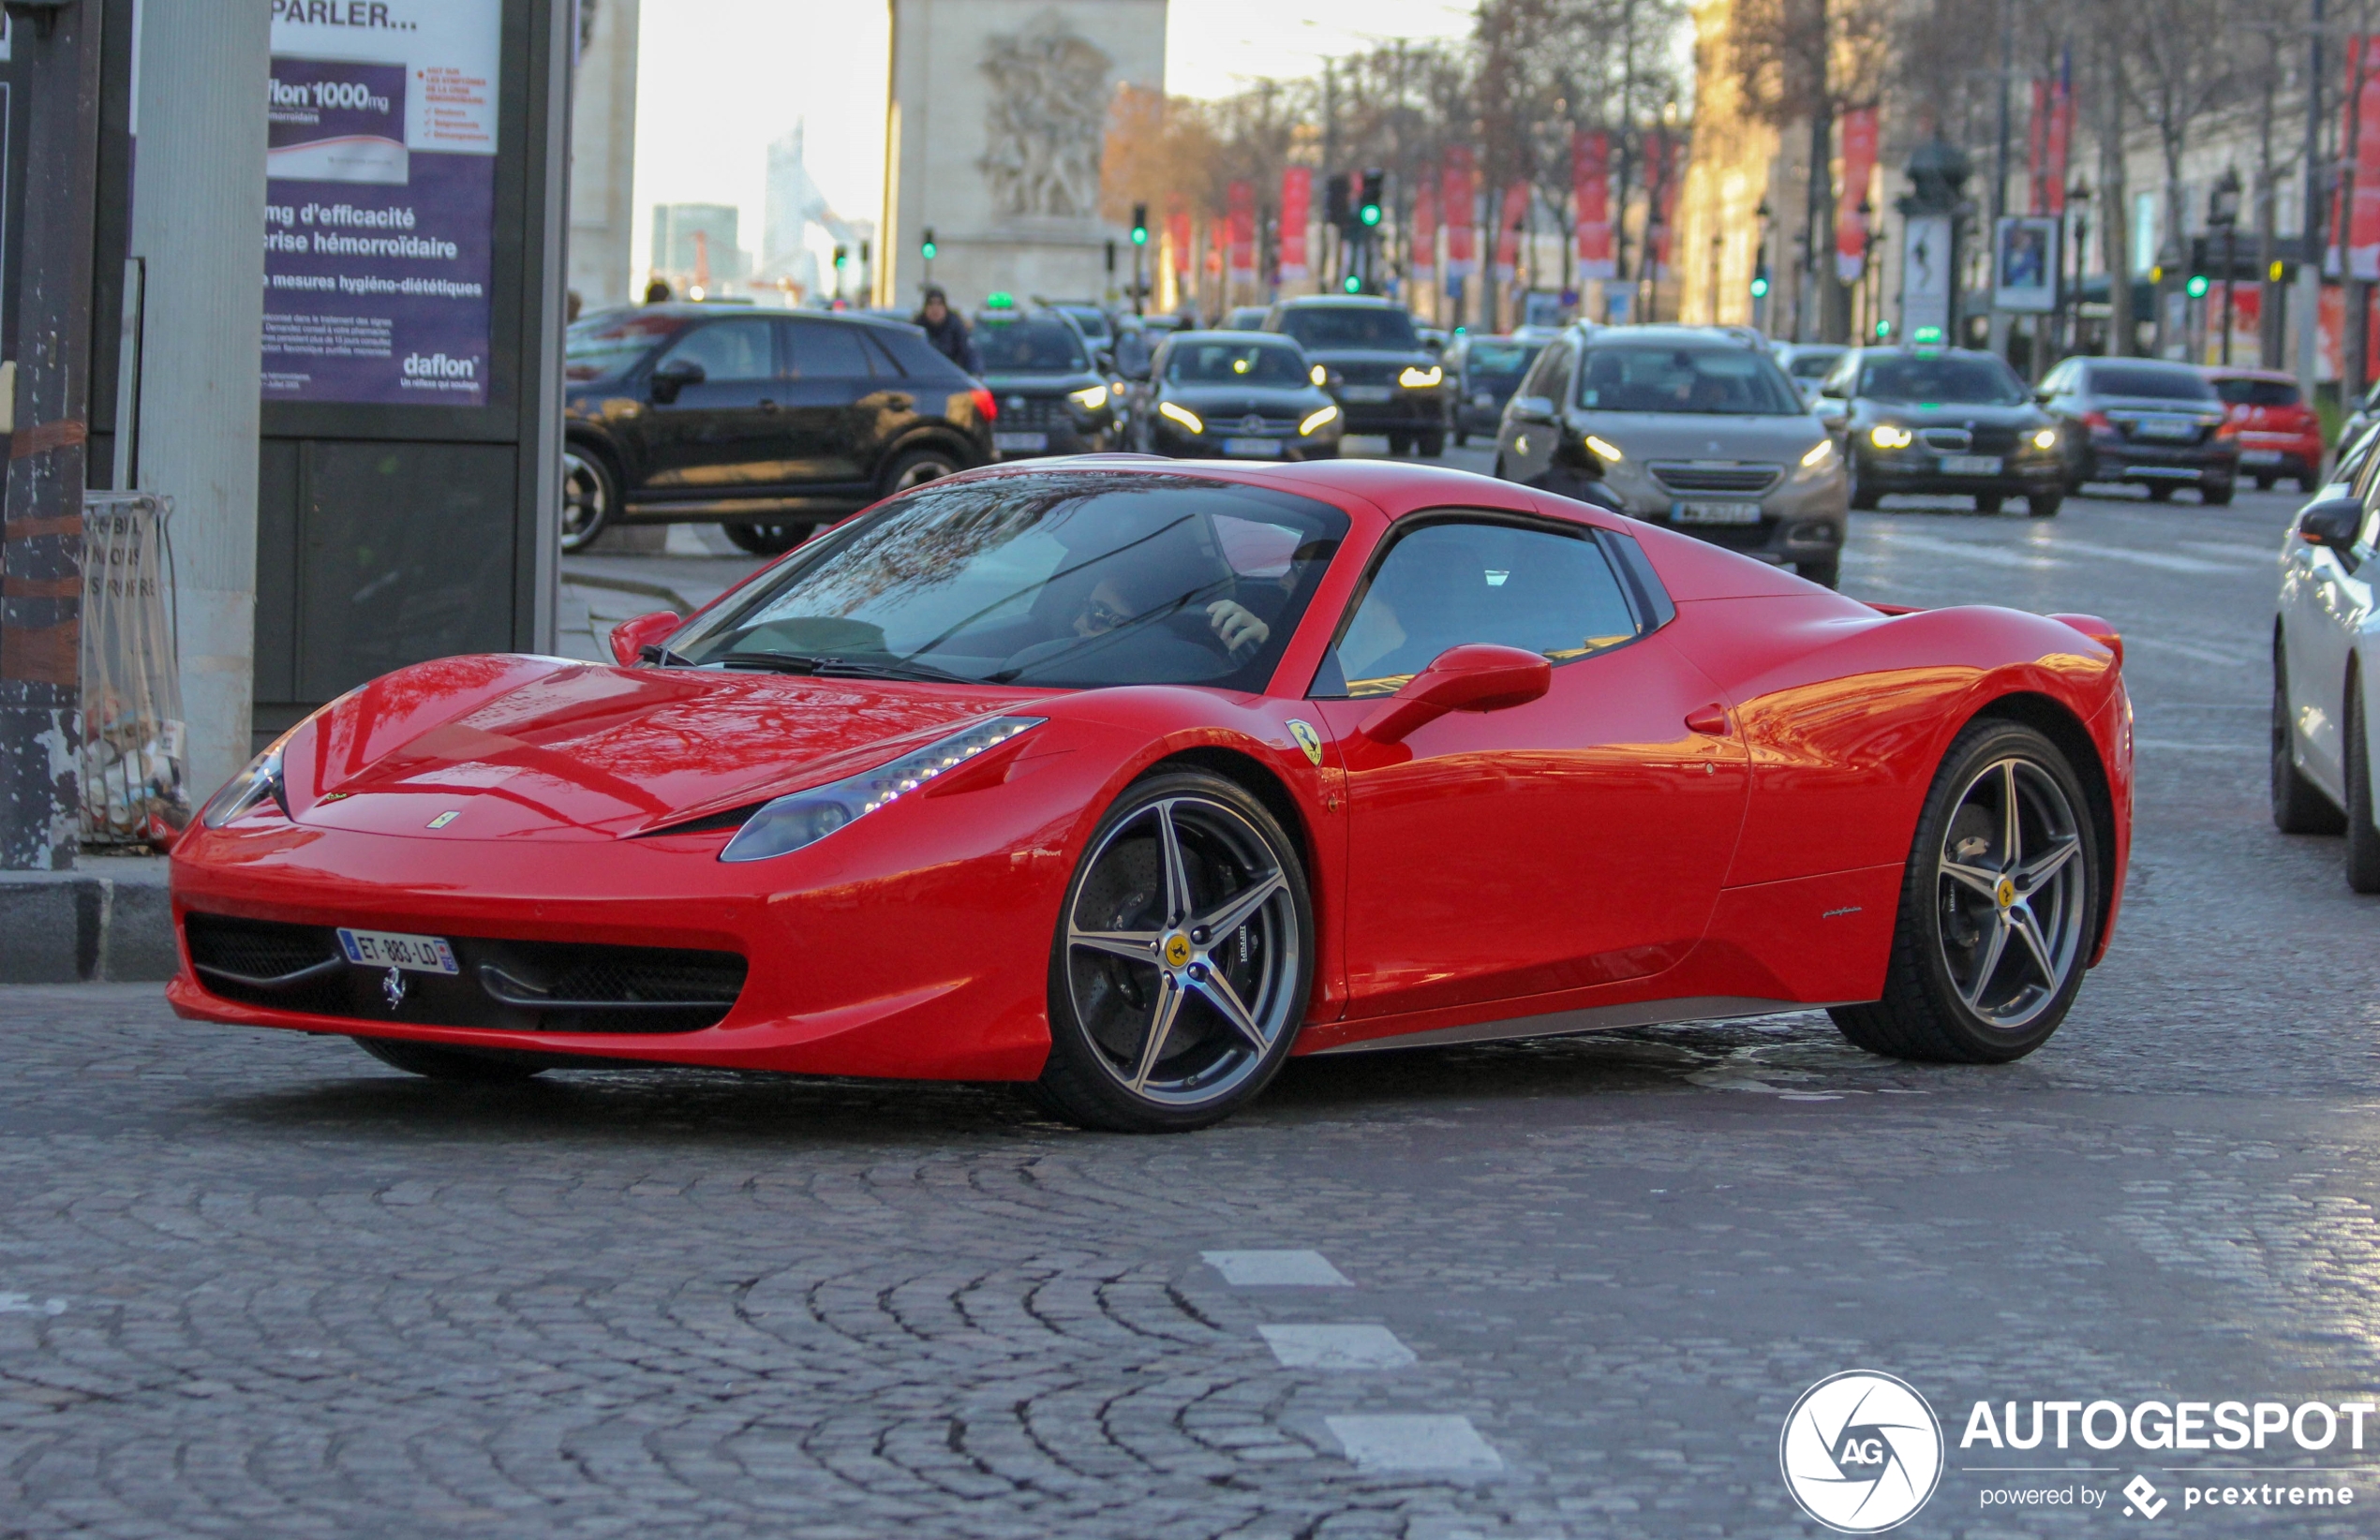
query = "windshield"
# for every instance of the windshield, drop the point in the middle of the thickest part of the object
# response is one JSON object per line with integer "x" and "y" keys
{"x": 1030, "y": 347}
{"x": 1812, "y": 363}
{"x": 2157, "y": 384}
{"x": 1944, "y": 380}
{"x": 1062, "y": 579}
{"x": 1094, "y": 323}
{"x": 2257, "y": 392}
{"x": 1724, "y": 382}
{"x": 1234, "y": 363}
{"x": 1500, "y": 359}
{"x": 1360, "y": 329}
{"x": 602, "y": 346}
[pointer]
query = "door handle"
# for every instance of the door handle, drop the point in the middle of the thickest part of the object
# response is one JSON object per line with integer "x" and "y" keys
{"x": 1711, "y": 721}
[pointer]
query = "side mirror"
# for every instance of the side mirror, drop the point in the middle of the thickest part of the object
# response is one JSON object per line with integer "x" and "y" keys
{"x": 1477, "y": 676}
{"x": 1832, "y": 409}
{"x": 630, "y": 637}
{"x": 1574, "y": 456}
{"x": 1434, "y": 346}
{"x": 674, "y": 377}
{"x": 1532, "y": 408}
{"x": 2331, "y": 522}
{"x": 2044, "y": 395}
{"x": 1104, "y": 359}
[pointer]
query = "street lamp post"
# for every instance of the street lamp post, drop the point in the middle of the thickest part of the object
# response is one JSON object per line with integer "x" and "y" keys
{"x": 2223, "y": 212}
{"x": 2078, "y": 199}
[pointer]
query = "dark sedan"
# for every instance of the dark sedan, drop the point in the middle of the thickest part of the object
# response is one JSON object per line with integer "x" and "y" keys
{"x": 1378, "y": 370}
{"x": 1053, "y": 392}
{"x": 1927, "y": 420}
{"x": 1483, "y": 373}
{"x": 770, "y": 424}
{"x": 1247, "y": 395}
{"x": 2156, "y": 425}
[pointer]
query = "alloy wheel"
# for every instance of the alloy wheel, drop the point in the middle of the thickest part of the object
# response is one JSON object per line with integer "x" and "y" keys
{"x": 2011, "y": 893}
{"x": 586, "y": 500}
{"x": 1181, "y": 952}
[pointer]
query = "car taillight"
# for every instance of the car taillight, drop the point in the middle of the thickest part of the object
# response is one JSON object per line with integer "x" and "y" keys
{"x": 2228, "y": 429}
{"x": 2097, "y": 422}
{"x": 985, "y": 407}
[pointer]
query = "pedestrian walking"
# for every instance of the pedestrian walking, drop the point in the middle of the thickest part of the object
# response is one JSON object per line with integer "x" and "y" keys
{"x": 947, "y": 333}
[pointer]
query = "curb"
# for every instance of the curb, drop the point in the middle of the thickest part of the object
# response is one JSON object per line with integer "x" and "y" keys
{"x": 109, "y": 920}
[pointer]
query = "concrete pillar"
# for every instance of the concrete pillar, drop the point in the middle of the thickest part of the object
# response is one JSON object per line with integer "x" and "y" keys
{"x": 198, "y": 227}
{"x": 604, "y": 155}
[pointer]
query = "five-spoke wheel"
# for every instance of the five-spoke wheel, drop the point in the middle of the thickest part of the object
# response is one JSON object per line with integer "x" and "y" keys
{"x": 1182, "y": 959}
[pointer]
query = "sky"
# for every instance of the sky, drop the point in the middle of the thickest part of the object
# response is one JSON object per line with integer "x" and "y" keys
{"x": 718, "y": 79}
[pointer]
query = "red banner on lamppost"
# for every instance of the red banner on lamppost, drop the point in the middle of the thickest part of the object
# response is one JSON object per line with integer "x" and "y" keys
{"x": 2057, "y": 139}
{"x": 1859, "y": 165}
{"x": 1591, "y": 190}
{"x": 1425, "y": 234}
{"x": 1240, "y": 202}
{"x": 1458, "y": 207}
{"x": 1297, "y": 201}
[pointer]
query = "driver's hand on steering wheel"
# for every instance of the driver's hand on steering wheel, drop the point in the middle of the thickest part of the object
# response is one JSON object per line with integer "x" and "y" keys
{"x": 1239, "y": 629}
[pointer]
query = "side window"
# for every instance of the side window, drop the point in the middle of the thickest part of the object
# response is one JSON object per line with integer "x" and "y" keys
{"x": 728, "y": 350}
{"x": 824, "y": 350}
{"x": 1445, "y": 585}
{"x": 1553, "y": 369}
{"x": 2056, "y": 381}
{"x": 1838, "y": 379}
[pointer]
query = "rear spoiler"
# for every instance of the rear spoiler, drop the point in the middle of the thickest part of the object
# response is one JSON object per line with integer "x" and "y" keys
{"x": 2098, "y": 630}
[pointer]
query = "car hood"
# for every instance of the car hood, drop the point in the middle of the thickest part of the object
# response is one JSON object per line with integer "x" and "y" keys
{"x": 1005, "y": 385}
{"x": 599, "y": 752}
{"x": 2209, "y": 409}
{"x": 1331, "y": 356}
{"x": 1955, "y": 414}
{"x": 1233, "y": 400}
{"x": 1679, "y": 436}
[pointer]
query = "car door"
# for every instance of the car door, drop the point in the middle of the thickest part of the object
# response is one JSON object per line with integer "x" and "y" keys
{"x": 1580, "y": 838}
{"x": 1526, "y": 448}
{"x": 831, "y": 400}
{"x": 2325, "y": 601}
{"x": 726, "y": 436}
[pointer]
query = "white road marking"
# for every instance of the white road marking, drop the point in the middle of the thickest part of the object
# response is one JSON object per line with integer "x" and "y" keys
{"x": 1990, "y": 556}
{"x": 2162, "y": 560}
{"x": 2178, "y": 746}
{"x": 24, "y": 1303}
{"x": 1276, "y": 1269}
{"x": 1336, "y": 1347}
{"x": 2192, "y": 650}
{"x": 1414, "y": 1443}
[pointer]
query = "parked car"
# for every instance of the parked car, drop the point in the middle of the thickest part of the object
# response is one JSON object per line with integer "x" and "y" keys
{"x": 1376, "y": 367}
{"x": 1237, "y": 395}
{"x": 1808, "y": 363}
{"x": 767, "y": 422}
{"x": 1244, "y": 317}
{"x": 1052, "y": 389}
{"x": 1483, "y": 373}
{"x": 2326, "y": 640}
{"x": 1941, "y": 419}
{"x": 2144, "y": 420}
{"x": 2279, "y": 435}
{"x": 1125, "y": 783}
{"x": 1688, "y": 428}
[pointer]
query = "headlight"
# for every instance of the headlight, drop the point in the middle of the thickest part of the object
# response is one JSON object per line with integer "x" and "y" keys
{"x": 1823, "y": 452}
{"x": 1092, "y": 399}
{"x": 1605, "y": 451}
{"x": 1318, "y": 375}
{"x": 805, "y": 818}
{"x": 2045, "y": 439}
{"x": 1421, "y": 379}
{"x": 1182, "y": 415}
{"x": 1320, "y": 418}
{"x": 249, "y": 790}
{"x": 1890, "y": 435}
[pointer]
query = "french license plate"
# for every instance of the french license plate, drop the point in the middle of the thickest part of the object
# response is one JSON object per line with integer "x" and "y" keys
{"x": 1263, "y": 447}
{"x": 1729, "y": 512}
{"x": 1364, "y": 392}
{"x": 394, "y": 949}
{"x": 2260, "y": 457}
{"x": 1008, "y": 443}
{"x": 1971, "y": 465}
{"x": 2164, "y": 427}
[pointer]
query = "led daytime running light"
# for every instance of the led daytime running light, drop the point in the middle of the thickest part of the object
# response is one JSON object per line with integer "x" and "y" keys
{"x": 1319, "y": 420}
{"x": 1182, "y": 415}
{"x": 1823, "y": 452}
{"x": 805, "y": 818}
{"x": 1890, "y": 435}
{"x": 1092, "y": 399}
{"x": 1421, "y": 379}
{"x": 1604, "y": 448}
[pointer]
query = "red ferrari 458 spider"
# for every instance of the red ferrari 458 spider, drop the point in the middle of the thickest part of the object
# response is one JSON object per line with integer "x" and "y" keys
{"x": 1128, "y": 779}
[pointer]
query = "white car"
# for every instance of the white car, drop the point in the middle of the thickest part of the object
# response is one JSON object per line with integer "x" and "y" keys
{"x": 2325, "y": 647}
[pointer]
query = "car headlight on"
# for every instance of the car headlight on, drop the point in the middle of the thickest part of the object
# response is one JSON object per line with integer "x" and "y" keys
{"x": 1092, "y": 399}
{"x": 1421, "y": 379}
{"x": 1319, "y": 420}
{"x": 1820, "y": 454}
{"x": 805, "y": 818}
{"x": 1604, "y": 450}
{"x": 1318, "y": 375}
{"x": 2045, "y": 439}
{"x": 1890, "y": 435}
{"x": 1182, "y": 415}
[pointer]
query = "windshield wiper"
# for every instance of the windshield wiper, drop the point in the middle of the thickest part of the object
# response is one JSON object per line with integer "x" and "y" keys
{"x": 843, "y": 668}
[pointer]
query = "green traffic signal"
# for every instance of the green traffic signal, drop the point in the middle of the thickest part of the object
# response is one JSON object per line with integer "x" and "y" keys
{"x": 1370, "y": 215}
{"x": 927, "y": 246}
{"x": 1351, "y": 284}
{"x": 1759, "y": 288}
{"x": 2196, "y": 287}
{"x": 1139, "y": 235}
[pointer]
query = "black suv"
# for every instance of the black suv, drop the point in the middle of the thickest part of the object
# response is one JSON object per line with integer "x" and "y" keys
{"x": 2145, "y": 421}
{"x": 1383, "y": 378}
{"x": 772, "y": 423}
{"x": 1054, "y": 390}
{"x": 1941, "y": 419}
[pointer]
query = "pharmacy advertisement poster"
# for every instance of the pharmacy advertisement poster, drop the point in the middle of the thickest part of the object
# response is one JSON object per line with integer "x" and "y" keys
{"x": 380, "y": 200}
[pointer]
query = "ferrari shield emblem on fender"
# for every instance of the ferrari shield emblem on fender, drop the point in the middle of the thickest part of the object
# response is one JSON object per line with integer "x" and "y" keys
{"x": 1308, "y": 739}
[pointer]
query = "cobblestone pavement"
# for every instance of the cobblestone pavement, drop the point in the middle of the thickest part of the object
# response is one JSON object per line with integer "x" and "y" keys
{"x": 259, "y": 1286}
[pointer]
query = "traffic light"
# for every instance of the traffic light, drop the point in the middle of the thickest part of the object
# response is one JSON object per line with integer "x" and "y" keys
{"x": 928, "y": 245}
{"x": 1759, "y": 277}
{"x": 842, "y": 255}
{"x": 2196, "y": 287}
{"x": 1334, "y": 201}
{"x": 1368, "y": 211}
{"x": 1140, "y": 224}
{"x": 1351, "y": 284}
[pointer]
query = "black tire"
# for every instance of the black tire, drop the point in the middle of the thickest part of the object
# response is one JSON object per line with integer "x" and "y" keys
{"x": 1826, "y": 574}
{"x": 1461, "y": 439}
{"x": 767, "y": 540}
{"x": 916, "y": 467}
{"x": 458, "y": 1065}
{"x": 2161, "y": 492}
{"x": 2013, "y": 1004}
{"x": 2265, "y": 483}
{"x": 591, "y": 496}
{"x": 2306, "y": 485}
{"x": 1431, "y": 445}
{"x": 1988, "y": 502}
{"x": 2043, "y": 505}
{"x": 1864, "y": 497}
{"x": 2363, "y": 838}
{"x": 1122, "y": 1058}
{"x": 2299, "y": 805}
{"x": 1499, "y": 471}
{"x": 2215, "y": 493}
{"x": 1400, "y": 444}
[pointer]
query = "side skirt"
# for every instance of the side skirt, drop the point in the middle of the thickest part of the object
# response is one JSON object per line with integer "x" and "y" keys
{"x": 1600, "y": 1019}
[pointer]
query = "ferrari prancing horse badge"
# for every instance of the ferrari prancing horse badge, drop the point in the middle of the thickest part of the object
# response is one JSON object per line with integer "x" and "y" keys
{"x": 1307, "y": 739}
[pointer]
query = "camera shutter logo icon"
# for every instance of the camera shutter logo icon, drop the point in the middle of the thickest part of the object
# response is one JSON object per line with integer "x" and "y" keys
{"x": 1861, "y": 1452}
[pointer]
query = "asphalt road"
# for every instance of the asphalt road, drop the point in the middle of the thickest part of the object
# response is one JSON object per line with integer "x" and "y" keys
{"x": 253, "y": 1285}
